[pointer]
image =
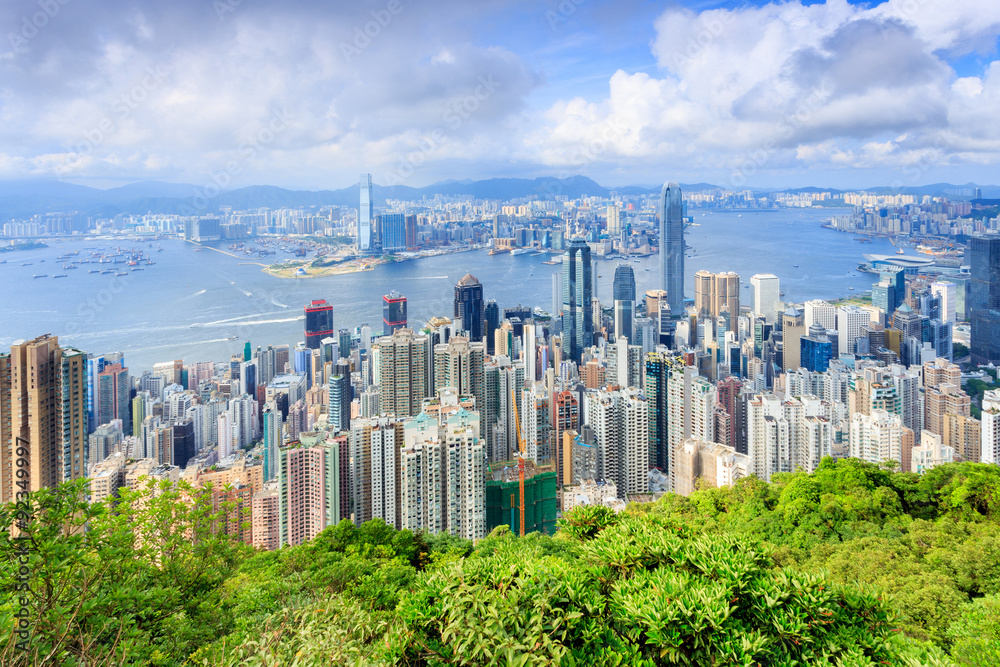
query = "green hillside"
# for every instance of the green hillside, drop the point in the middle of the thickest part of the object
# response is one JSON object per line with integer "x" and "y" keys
{"x": 851, "y": 565}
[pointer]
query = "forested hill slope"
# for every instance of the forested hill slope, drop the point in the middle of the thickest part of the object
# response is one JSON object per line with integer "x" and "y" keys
{"x": 850, "y": 565}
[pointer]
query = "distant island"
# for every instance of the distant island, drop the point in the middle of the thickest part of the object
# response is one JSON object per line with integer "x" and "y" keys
{"x": 334, "y": 265}
{"x": 29, "y": 245}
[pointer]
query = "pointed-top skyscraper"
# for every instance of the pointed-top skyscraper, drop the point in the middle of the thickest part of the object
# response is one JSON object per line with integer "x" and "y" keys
{"x": 366, "y": 214}
{"x": 672, "y": 247}
{"x": 577, "y": 314}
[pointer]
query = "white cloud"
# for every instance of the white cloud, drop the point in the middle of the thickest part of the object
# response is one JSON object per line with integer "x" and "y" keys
{"x": 780, "y": 87}
{"x": 824, "y": 86}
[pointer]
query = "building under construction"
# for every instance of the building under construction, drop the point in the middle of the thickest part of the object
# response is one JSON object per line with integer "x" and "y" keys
{"x": 502, "y": 497}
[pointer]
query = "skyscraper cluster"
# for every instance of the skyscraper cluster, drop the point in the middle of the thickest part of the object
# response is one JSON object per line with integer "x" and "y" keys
{"x": 422, "y": 424}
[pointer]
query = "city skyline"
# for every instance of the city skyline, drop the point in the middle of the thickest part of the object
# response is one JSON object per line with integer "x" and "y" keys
{"x": 327, "y": 327}
{"x": 184, "y": 93}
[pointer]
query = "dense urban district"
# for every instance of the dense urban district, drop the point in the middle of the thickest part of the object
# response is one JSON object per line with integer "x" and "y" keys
{"x": 646, "y": 480}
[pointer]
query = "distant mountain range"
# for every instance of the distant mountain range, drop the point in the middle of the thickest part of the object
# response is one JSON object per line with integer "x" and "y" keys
{"x": 24, "y": 198}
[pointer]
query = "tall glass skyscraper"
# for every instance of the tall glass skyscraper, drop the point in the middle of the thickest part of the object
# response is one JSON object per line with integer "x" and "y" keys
{"x": 577, "y": 319}
{"x": 319, "y": 322}
{"x": 393, "y": 230}
{"x": 672, "y": 247}
{"x": 393, "y": 313}
{"x": 984, "y": 312}
{"x": 491, "y": 315}
{"x": 816, "y": 350}
{"x": 624, "y": 296}
{"x": 469, "y": 305}
{"x": 366, "y": 214}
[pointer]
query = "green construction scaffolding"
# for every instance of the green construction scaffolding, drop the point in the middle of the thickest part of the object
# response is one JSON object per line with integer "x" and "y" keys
{"x": 503, "y": 498}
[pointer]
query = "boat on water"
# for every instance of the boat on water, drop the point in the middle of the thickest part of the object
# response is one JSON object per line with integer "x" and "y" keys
{"x": 26, "y": 264}
{"x": 93, "y": 271}
{"x": 121, "y": 273}
{"x": 41, "y": 275}
{"x": 61, "y": 275}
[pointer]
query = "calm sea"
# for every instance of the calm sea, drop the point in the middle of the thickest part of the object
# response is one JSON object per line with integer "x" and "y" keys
{"x": 202, "y": 306}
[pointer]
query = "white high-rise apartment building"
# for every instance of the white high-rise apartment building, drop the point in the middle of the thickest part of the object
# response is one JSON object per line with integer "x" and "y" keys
{"x": 530, "y": 372}
{"x": 614, "y": 220}
{"x": 375, "y": 445}
{"x": 536, "y": 424}
{"x": 510, "y": 387}
{"x": 690, "y": 403}
{"x": 877, "y": 437}
{"x": 821, "y": 312}
{"x": 786, "y": 435}
{"x": 850, "y": 319}
{"x": 621, "y": 428}
{"x": 766, "y": 294}
{"x": 990, "y": 427}
{"x": 946, "y": 290}
{"x": 442, "y": 470}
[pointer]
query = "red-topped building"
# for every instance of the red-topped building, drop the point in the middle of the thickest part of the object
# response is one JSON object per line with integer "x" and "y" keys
{"x": 319, "y": 322}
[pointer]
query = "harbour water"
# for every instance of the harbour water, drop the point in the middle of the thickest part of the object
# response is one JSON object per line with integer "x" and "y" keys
{"x": 200, "y": 305}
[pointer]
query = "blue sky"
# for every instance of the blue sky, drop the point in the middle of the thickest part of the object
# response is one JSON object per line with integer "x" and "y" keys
{"x": 296, "y": 94}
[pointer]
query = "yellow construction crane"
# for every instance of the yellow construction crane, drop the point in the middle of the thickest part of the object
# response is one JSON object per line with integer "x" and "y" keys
{"x": 520, "y": 461}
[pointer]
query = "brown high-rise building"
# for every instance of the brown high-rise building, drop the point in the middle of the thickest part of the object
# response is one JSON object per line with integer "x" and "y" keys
{"x": 793, "y": 329}
{"x": 729, "y": 398}
{"x": 403, "y": 372}
{"x": 565, "y": 418}
{"x": 941, "y": 400}
{"x": 593, "y": 374}
{"x": 964, "y": 434}
{"x": 43, "y": 409}
{"x": 941, "y": 371}
{"x": 718, "y": 293}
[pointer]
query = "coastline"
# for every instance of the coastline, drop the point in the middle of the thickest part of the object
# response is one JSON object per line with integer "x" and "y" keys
{"x": 303, "y": 269}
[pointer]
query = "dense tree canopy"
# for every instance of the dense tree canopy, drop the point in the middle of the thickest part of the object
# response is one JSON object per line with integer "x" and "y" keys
{"x": 853, "y": 564}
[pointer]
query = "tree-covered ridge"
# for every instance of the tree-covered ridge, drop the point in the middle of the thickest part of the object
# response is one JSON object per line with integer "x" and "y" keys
{"x": 850, "y": 565}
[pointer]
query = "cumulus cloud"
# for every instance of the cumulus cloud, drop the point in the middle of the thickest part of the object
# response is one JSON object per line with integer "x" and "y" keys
{"x": 744, "y": 91}
{"x": 310, "y": 92}
{"x": 174, "y": 90}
